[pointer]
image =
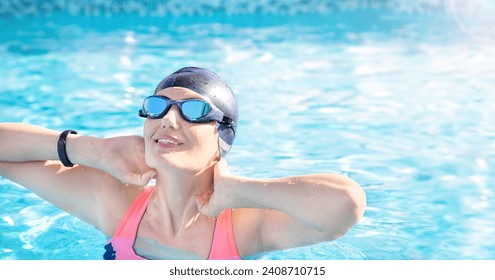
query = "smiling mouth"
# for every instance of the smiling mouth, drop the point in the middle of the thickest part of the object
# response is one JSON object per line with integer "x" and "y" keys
{"x": 167, "y": 141}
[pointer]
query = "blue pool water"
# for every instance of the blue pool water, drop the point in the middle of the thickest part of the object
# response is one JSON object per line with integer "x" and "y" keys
{"x": 400, "y": 97}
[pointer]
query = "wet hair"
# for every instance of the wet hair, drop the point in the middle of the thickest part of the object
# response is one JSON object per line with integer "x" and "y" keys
{"x": 209, "y": 85}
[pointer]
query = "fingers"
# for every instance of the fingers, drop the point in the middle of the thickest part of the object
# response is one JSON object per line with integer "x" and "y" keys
{"x": 222, "y": 167}
{"x": 138, "y": 179}
{"x": 202, "y": 203}
{"x": 206, "y": 206}
{"x": 146, "y": 177}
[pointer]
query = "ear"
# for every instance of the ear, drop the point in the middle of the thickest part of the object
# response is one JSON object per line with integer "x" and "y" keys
{"x": 226, "y": 135}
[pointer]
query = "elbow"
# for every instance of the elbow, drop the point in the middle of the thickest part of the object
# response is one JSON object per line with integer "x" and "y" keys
{"x": 350, "y": 208}
{"x": 355, "y": 202}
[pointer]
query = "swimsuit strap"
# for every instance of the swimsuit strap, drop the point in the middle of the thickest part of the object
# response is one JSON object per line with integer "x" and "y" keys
{"x": 120, "y": 246}
{"x": 223, "y": 246}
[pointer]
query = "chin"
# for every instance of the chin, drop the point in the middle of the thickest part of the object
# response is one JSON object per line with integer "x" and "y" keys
{"x": 180, "y": 161}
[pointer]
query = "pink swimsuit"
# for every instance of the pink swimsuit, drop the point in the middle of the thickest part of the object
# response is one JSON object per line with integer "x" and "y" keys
{"x": 120, "y": 246}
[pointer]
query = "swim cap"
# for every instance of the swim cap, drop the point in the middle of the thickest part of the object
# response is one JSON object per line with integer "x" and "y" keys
{"x": 214, "y": 90}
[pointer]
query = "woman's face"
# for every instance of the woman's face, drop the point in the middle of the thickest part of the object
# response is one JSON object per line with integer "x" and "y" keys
{"x": 172, "y": 142}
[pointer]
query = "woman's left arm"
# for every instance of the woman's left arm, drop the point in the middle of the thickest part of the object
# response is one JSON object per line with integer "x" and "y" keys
{"x": 302, "y": 209}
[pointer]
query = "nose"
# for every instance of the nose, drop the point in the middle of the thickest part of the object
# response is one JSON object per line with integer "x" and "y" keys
{"x": 172, "y": 118}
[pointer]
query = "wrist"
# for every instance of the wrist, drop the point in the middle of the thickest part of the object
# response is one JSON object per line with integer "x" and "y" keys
{"x": 240, "y": 192}
{"x": 61, "y": 147}
{"x": 83, "y": 150}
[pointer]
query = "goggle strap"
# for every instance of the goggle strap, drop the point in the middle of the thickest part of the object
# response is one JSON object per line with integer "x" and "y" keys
{"x": 227, "y": 121}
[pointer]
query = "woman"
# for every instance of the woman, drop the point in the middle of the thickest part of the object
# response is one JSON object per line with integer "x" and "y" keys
{"x": 188, "y": 212}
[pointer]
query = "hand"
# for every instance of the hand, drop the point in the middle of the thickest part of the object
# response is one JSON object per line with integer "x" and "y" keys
{"x": 123, "y": 158}
{"x": 213, "y": 203}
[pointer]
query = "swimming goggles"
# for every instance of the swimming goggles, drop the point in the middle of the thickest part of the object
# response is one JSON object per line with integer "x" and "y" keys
{"x": 191, "y": 110}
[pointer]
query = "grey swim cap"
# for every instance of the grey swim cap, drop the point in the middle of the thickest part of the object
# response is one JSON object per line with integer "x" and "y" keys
{"x": 214, "y": 90}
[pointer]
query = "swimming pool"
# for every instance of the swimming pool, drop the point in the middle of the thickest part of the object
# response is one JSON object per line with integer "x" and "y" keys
{"x": 398, "y": 97}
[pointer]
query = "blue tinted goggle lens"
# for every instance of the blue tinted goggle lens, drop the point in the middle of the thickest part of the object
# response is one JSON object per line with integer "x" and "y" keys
{"x": 192, "y": 110}
{"x": 195, "y": 109}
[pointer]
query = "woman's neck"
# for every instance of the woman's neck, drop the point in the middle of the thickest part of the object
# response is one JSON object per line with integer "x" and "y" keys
{"x": 173, "y": 204}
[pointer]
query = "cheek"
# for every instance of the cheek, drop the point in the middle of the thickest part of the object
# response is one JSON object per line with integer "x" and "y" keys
{"x": 206, "y": 138}
{"x": 148, "y": 128}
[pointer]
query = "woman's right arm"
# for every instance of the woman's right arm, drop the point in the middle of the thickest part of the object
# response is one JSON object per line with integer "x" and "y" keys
{"x": 93, "y": 190}
{"x": 23, "y": 142}
{"x": 122, "y": 157}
